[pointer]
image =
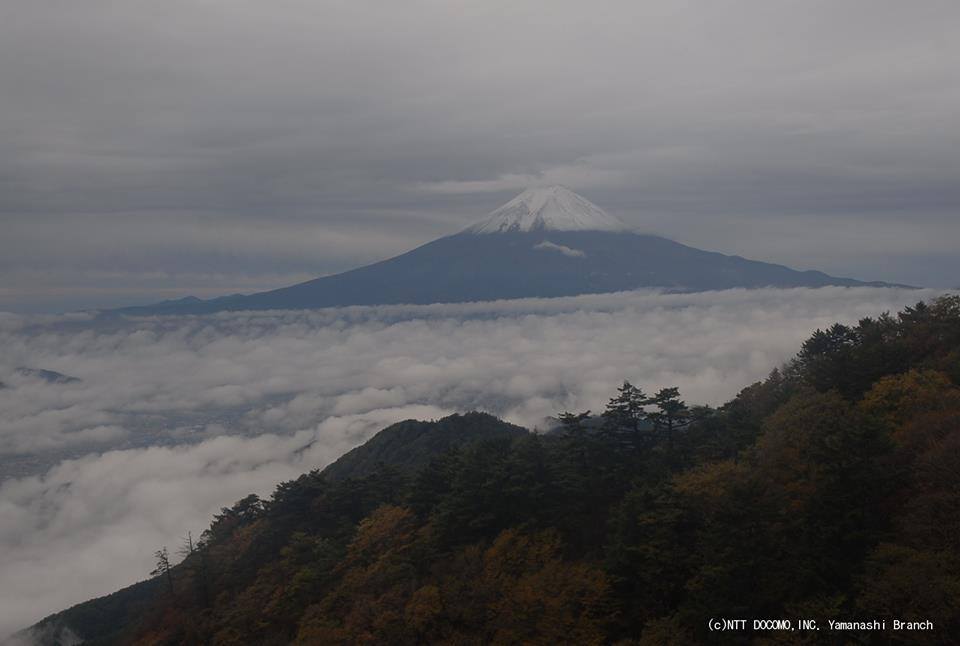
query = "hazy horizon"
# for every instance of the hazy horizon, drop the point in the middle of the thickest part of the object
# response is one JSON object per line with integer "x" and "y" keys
{"x": 150, "y": 154}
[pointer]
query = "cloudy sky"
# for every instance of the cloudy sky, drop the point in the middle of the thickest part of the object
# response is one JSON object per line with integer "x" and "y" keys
{"x": 157, "y": 149}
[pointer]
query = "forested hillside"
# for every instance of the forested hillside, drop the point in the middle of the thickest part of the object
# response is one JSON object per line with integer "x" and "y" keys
{"x": 408, "y": 446}
{"x": 831, "y": 490}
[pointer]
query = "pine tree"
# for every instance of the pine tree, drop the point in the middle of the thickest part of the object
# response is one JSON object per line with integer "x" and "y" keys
{"x": 573, "y": 422}
{"x": 625, "y": 415}
{"x": 671, "y": 413}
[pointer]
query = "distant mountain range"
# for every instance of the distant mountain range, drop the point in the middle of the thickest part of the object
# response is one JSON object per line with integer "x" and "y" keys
{"x": 545, "y": 242}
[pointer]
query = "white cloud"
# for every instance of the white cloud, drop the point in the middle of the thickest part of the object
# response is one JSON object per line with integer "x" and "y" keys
{"x": 326, "y": 380}
{"x": 566, "y": 251}
{"x": 288, "y": 371}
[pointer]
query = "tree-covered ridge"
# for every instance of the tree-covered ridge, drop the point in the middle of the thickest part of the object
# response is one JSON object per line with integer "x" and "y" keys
{"x": 831, "y": 490}
{"x": 409, "y": 445}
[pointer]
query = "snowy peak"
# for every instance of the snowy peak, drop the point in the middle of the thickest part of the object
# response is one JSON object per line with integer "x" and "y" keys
{"x": 552, "y": 208}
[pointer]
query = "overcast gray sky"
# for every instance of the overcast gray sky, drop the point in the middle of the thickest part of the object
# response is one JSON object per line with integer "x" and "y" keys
{"x": 157, "y": 149}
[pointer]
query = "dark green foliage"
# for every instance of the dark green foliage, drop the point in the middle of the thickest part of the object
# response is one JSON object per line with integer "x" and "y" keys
{"x": 408, "y": 446}
{"x": 849, "y": 360}
{"x": 648, "y": 552}
{"x": 107, "y": 620}
{"x": 627, "y": 409}
{"x": 625, "y": 420}
{"x": 830, "y": 490}
{"x": 573, "y": 423}
{"x": 670, "y": 412}
{"x": 490, "y": 489}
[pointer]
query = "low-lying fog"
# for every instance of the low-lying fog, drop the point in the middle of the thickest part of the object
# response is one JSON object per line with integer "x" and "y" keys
{"x": 171, "y": 418}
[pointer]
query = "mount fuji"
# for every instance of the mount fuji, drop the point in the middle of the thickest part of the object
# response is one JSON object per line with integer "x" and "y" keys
{"x": 545, "y": 242}
{"x": 554, "y": 208}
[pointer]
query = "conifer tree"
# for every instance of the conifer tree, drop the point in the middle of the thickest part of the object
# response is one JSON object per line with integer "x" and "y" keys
{"x": 573, "y": 422}
{"x": 625, "y": 414}
{"x": 671, "y": 413}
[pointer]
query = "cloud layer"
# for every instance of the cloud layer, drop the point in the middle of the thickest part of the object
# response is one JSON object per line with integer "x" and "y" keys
{"x": 199, "y": 411}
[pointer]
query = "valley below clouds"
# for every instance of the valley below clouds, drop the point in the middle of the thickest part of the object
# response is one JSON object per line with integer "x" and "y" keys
{"x": 171, "y": 418}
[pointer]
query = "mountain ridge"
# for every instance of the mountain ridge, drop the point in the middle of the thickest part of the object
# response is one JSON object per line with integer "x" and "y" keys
{"x": 409, "y": 445}
{"x": 543, "y": 243}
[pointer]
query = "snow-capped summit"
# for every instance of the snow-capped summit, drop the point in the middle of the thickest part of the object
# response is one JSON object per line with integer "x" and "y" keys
{"x": 551, "y": 208}
{"x": 552, "y": 243}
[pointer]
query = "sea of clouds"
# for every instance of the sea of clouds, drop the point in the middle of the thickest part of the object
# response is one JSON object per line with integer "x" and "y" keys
{"x": 174, "y": 417}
